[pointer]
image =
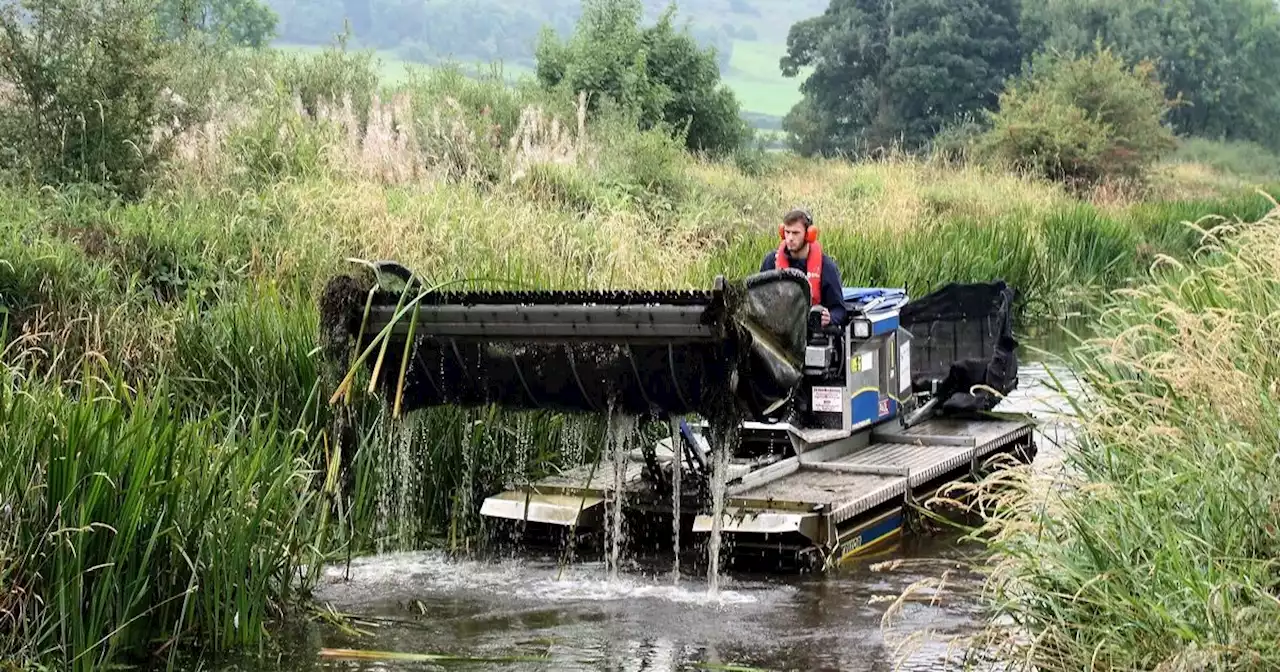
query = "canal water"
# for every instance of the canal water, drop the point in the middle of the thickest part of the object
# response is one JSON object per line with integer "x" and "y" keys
{"x": 853, "y": 619}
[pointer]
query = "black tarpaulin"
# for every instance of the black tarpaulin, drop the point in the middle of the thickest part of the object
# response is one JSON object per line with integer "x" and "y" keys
{"x": 962, "y": 337}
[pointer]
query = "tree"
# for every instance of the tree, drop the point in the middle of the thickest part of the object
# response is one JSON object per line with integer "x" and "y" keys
{"x": 1220, "y": 57}
{"x": 243, "y": 22}
{"x": 895, "y": 71}
{"x": 657, "y": 74}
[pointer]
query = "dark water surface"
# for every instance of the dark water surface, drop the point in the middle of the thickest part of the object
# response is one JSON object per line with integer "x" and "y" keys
{"x": 428, "y": 603}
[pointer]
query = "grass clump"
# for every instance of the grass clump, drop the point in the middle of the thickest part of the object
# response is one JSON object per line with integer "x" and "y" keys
{"x": 132, "y": 528}
{"x": 1158, "y": 547}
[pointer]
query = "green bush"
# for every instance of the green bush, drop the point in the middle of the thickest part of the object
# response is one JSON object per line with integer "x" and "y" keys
{"x": 331, "y": 76}
{"x": 649, "y": 167}
{"x": 91, "y": 80}
{"x": 1081, "y": 120}
{"x": 658, "y": 73}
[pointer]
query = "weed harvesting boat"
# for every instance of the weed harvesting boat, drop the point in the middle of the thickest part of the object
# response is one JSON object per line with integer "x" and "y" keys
{"x": 825, "y": 436}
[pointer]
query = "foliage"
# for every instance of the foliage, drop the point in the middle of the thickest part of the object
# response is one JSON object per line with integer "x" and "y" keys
{"x": 894, "y": 73}
{"x": 332, "y": 76}
{"x": 655, "y": 73}
{"x": 240, "y": 22}
{"x": 196, "y": 303}
{"x": 1156, "y": 546}
{"x": 90, "y": 79}
{"x": 1237, "y": 157}
{"x": 129, "y": 528}
{"x": 1218, "y": 56}
{"x": 507, "y": 30}
{"x": 1082, "y": 119}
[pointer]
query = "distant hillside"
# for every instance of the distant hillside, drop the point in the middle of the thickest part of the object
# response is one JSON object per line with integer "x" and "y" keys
{"x": 749, "y": 35}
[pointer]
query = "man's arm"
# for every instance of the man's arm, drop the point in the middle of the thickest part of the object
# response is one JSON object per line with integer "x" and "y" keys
{"x": 833, "y": 291}
{"x": 770, "y": 261}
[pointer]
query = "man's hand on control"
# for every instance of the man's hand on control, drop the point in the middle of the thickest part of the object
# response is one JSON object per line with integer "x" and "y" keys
{"x": 826, "y": 316}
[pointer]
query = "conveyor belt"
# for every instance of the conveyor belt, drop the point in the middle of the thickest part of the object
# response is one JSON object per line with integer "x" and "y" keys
{"x": 639, "y": 352}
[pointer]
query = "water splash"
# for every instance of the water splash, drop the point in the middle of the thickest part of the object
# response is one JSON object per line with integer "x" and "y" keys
{"x": 422, "y": 574}
{"x": 573, "y": 440}
{"x": 677, "y": 454}
{"x": 724, "y": 443}
{"x": 524, "y": 447}
{"x": 622, "y": 430}
{"x": 399, "y": 474}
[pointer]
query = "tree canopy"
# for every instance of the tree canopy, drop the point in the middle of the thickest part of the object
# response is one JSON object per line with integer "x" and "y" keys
{"x": 1220, "y": 57}
{"x": 895, "y": 71}
{"x": 656, "y": 73}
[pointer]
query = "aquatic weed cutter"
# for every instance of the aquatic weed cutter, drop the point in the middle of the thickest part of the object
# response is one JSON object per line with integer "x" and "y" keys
{"x": 829, "y": 433}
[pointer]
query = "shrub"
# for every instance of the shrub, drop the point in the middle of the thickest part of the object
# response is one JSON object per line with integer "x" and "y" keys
{"x": 1081, "y": 119}
{"x": 90, "y": 80}
{"x": 332, "y": 76}
{"x": 658, "y": 73}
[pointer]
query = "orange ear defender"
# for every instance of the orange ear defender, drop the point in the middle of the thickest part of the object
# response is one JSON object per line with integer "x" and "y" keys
{"x": 810, "y": 234}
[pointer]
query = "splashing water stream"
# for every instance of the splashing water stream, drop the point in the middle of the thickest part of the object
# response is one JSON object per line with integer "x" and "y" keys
{"x": 622, "y": 428}
{"x": 677, "y": 459}
{"x": 724, "y": 441}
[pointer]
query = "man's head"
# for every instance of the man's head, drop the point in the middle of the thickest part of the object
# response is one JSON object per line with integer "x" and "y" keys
{"x": 795, "y": 231}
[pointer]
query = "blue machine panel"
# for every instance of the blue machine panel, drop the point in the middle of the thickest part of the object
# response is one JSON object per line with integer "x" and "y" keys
{"x": 880, "y": 305}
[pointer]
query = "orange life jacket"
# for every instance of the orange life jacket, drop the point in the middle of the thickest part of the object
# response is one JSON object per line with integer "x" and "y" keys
{"x": 813, "y": 264}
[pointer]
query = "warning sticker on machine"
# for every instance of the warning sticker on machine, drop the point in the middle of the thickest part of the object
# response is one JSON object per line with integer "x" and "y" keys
{"x": 827, "y": 399}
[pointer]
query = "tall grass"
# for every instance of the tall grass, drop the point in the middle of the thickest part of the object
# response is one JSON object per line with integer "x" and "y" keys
{"x": 1160, "y": 547}
{"x": 130, "y": 529}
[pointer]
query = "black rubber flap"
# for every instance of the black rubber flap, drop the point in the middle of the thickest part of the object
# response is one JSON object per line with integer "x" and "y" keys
{"x": 962, "y": 337}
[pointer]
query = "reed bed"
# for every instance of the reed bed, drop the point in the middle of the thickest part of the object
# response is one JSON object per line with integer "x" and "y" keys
{"x": 1159, "y": 546}
{"x": 129, "y": 527}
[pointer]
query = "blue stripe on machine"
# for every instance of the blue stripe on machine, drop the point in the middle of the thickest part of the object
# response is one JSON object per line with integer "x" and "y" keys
{"x": 884, "y": 323}
{"x": 870, "y": 532}
{"x": 866, "y": 406}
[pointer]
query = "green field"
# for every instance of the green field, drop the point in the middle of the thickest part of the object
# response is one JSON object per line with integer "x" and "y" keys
{"x": 756, "y": 79}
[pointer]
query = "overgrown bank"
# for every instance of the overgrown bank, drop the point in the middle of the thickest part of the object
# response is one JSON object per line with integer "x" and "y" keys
{"x": 195, "y": 303}
{"x": 1160, "y": 548}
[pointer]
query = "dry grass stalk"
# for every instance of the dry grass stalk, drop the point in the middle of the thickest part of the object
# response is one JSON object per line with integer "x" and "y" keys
{"x": 386, "y": 151}
{"x": 540, "y": 138}
{"x": 199, "y": 150}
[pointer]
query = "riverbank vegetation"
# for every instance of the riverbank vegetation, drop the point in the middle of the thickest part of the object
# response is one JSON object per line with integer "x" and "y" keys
{"x": 1157, "y": 547}
{"x": 170, "y": 208}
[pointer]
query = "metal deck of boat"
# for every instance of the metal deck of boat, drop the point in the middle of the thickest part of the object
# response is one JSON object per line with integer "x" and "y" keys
{"x": 836, "y": 483}
{"x": 843, "y": 482}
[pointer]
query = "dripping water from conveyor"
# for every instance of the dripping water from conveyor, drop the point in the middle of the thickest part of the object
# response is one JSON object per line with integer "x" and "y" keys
{"x": 622, "y": 429}
{"x": 677, "y": 474}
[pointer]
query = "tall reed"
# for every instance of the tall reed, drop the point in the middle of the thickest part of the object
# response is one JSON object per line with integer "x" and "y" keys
{"x": 130, "y": 529}
{"x": 1160, "y": 546}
